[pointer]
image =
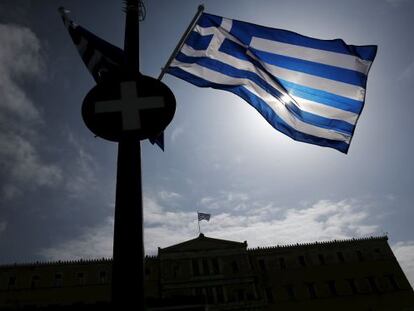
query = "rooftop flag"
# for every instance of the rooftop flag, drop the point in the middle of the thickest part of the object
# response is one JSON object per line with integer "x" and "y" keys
{"x": 203, "y": 216}
{"x": 309, "y": 89}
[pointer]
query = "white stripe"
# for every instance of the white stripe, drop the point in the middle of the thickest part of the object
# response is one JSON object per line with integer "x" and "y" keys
{"x": 305, "y": 105}
{"x": 217, "y": 31}
{"x": 277, "y": 106}
{"x": 226, "y": 24}
{"x": 335, "y": 87}
{"x": 233, "y": 61}
{"x": 325, "y": 111}
{"x": 96, "y": 57}
{"x": 82, "y": 46}
{"x": 310, "y": 54}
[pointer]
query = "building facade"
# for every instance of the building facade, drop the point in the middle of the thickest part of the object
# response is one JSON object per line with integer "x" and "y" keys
{"x": 214, "y": 274}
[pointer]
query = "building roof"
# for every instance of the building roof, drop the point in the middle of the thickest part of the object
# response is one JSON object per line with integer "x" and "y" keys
{"x": 202, "y": 243}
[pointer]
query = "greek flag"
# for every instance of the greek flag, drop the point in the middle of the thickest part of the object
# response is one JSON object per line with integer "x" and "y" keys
{"x": 104, "y": 60}
{"x": 203, "y": 216}
{"x": 309, "y": 89}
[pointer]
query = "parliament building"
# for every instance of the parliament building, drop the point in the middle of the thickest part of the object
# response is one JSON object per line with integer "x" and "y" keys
{"x": 213, "y": 274}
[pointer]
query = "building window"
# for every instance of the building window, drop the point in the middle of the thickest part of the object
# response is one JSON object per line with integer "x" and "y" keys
{"x": 311, "y": 290}
{"x": 340, "y": 256}
{"x": 35, "y": 282}
{"x": 392, "y": 281}
{"x": 240, "y": 294}
{"x": 199, "y": 291}
{"x": 373, "y": 284}
{"x": 81, "y": 278}
{"x": 322, "y": 259}
{"x": 102, "y": 276}
{"x": 12, "y": 282}
{"x": 216, "y": 267}
{"x": 210, "y": 295}
{"x": 206, "y": 268}
{"x": 176, "y": 270}
{"x": 302, "y": 261}
{"x": 360, "y": 256}
{"x": 290, "y": 292}
{"x": 378, "y": 254}
{"x": 262, "y": 265}
{"x": 332, "y": 288}
{"x": 282, "y": 263}
{"x": 58, "y": 282}
{"x": 220, "y": 294}
{"x": 234, "y": 267}
{"x": 351, "y": 283}
{"x": 269, "y": 294}
{"x": 196, "y": 269}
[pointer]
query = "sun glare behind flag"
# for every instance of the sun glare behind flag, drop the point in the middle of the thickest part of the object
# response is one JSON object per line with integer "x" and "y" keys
{"x": 309, "y": 89}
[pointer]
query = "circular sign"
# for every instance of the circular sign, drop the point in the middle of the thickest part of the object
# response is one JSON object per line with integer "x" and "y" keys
{"x": 141, "y": 108}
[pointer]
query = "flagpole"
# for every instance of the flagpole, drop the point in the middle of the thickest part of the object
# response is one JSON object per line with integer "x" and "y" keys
{"x": 128, "y": 248}
{"x": 198, "y": 220}
{"x": 182, "y": 40}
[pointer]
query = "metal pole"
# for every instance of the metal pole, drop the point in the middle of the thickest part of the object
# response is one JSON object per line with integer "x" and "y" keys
{"x": 198, "y": 220}
{"x": 182, "y": 41}
{"x": 128, "y": 249}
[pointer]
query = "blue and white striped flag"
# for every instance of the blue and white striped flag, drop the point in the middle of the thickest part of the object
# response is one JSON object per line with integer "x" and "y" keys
{"x": 309, "y": 89}
{"x": 203, "y": 216}
{"x": 103, "y": 59}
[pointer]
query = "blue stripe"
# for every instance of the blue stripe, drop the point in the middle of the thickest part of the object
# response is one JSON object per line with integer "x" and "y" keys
{"x": 330, "y": 124}
{"x": 208, "y": 20}
{"x": 312, "y": 68}
{"x": 337, "y": 125}
{"x": 197, "y": 41}
{"x": 321, "y": 70}
{"x": 245, "y": 31}
{"x": 304, "y": 92}
{"x": 323, "y": 97}
{"x": 229, "y": 71}
{"x": 263, "y": 109}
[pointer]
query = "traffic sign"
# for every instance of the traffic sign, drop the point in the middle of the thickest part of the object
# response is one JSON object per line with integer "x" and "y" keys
{"x": 140, "y": 108}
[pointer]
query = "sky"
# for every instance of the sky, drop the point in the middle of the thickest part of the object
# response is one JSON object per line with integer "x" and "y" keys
{"x": 57, "y": 181}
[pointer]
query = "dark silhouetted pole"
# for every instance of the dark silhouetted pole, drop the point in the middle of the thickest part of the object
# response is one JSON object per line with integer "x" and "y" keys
{"x": 128, "y": 251}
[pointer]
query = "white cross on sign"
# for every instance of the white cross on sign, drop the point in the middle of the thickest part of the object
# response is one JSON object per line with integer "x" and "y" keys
{"x": 129, "y": 105}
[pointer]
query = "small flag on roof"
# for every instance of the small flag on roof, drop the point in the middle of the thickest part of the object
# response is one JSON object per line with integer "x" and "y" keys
{"x": 203, "y": 216}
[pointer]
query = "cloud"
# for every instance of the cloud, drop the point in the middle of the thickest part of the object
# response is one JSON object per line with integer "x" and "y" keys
{"x": 396, "y": 3}
{"x": 408, "y": 73}
{"x": 264, "y": 225}
{"x": 21, "y": 165}
{"x": 9, "y": 192}
{"x": 169, "y": 196}
{"x": 95, "y": 242}
{"x": 404, "y": 251}
{"x": 20, "y": 58}
{"x": 81, "y": 177}
{"x": 3, "y": 226}
{"x": 20, "y": 160}
{"x": 178, "y": 131}
{"x": 224, "y": 201}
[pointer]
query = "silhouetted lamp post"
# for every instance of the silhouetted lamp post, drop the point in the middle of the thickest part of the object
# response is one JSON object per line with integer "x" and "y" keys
{"x": 128, "y": 109}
